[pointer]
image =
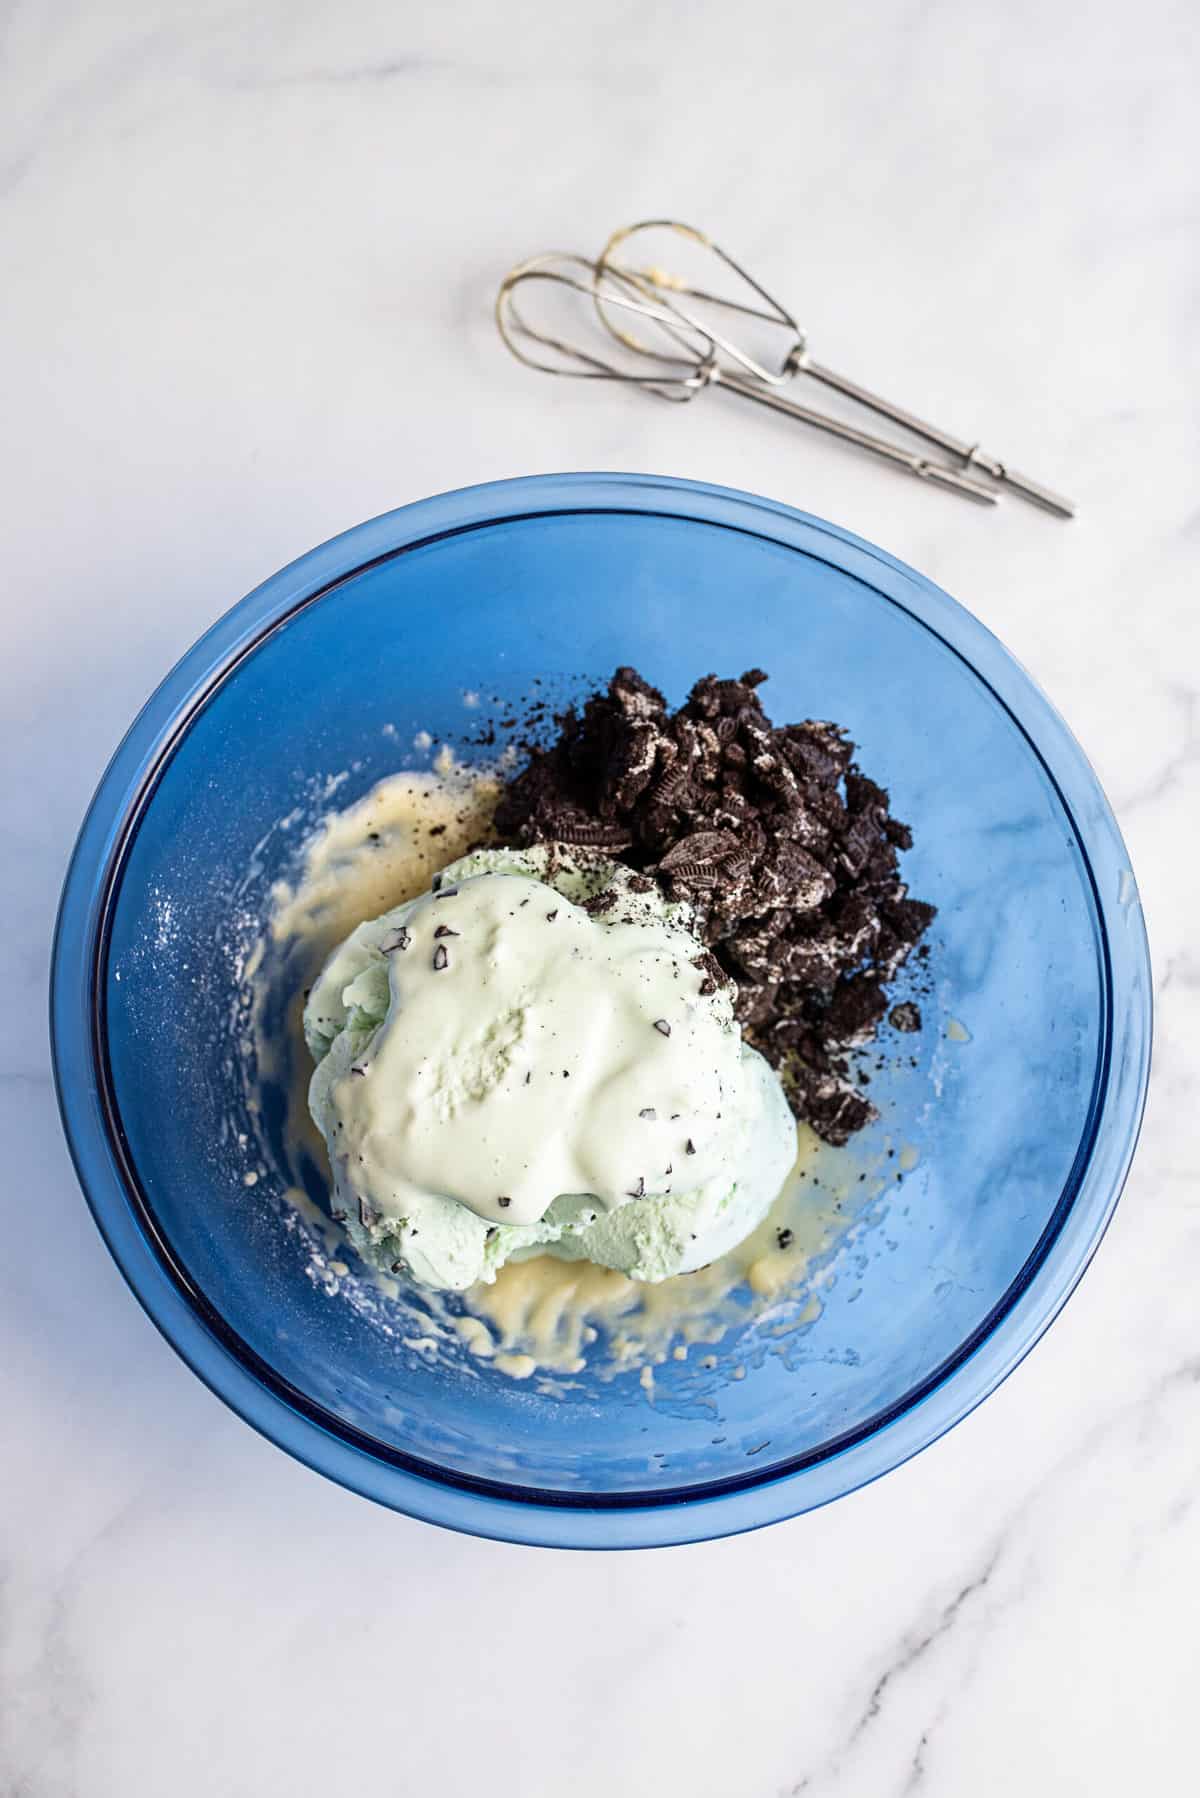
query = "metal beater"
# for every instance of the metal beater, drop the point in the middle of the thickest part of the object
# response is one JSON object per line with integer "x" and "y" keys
{"x": 691, "y": 352}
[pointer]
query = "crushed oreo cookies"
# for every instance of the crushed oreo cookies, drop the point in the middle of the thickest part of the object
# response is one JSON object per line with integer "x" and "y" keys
{"x": 786, "y": 851}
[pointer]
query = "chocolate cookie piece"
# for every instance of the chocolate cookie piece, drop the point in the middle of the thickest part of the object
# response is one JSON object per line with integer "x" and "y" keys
{"x": 906, "y": 1017}
{"x": 785, "y": 850}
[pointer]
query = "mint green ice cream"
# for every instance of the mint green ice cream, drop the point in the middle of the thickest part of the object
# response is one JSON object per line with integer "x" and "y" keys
{"x": 531, "y": 1059}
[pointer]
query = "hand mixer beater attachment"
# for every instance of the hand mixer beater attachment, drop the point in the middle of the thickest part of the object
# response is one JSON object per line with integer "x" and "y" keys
{"x": 674, "y": 336}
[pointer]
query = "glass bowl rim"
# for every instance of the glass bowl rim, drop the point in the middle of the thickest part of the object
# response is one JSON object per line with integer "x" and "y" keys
{"x": 209, "y": 1345}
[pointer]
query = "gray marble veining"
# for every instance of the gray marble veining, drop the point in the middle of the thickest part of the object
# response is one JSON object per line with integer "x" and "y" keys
{"x": 249, "y": 256}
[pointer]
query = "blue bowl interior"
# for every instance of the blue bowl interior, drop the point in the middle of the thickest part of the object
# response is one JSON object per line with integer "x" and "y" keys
{"x": 1002, "y": 1122}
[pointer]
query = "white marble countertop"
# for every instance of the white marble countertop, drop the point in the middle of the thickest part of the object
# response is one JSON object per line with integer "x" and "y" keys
{"x": 249, "y": 254}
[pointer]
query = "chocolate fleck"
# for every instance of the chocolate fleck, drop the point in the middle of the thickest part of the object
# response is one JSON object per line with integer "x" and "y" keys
{"x": 689, "y": 1147}
{"x": 638, "y": 1191}
{"x": 784, "y": 1238}
{"x": 551, "y": 915}
{"x": 648, "y": 1113}
{"x": 661, "y": 1025}
{"x": 504, "y": 1202}
{"x": 399, "y": 938}
{"x": 440, "y": 958}
{"x": 359, "y": 1068}
{"x": 446, "y": 893}
{"x": 445, "y": 930}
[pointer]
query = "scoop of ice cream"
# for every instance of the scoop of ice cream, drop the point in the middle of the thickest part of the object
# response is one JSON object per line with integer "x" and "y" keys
{"x": 534, "y": 1056}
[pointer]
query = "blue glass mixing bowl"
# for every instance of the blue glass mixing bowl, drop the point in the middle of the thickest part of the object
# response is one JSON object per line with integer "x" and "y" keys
{"x": 1024, "y": 1092}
